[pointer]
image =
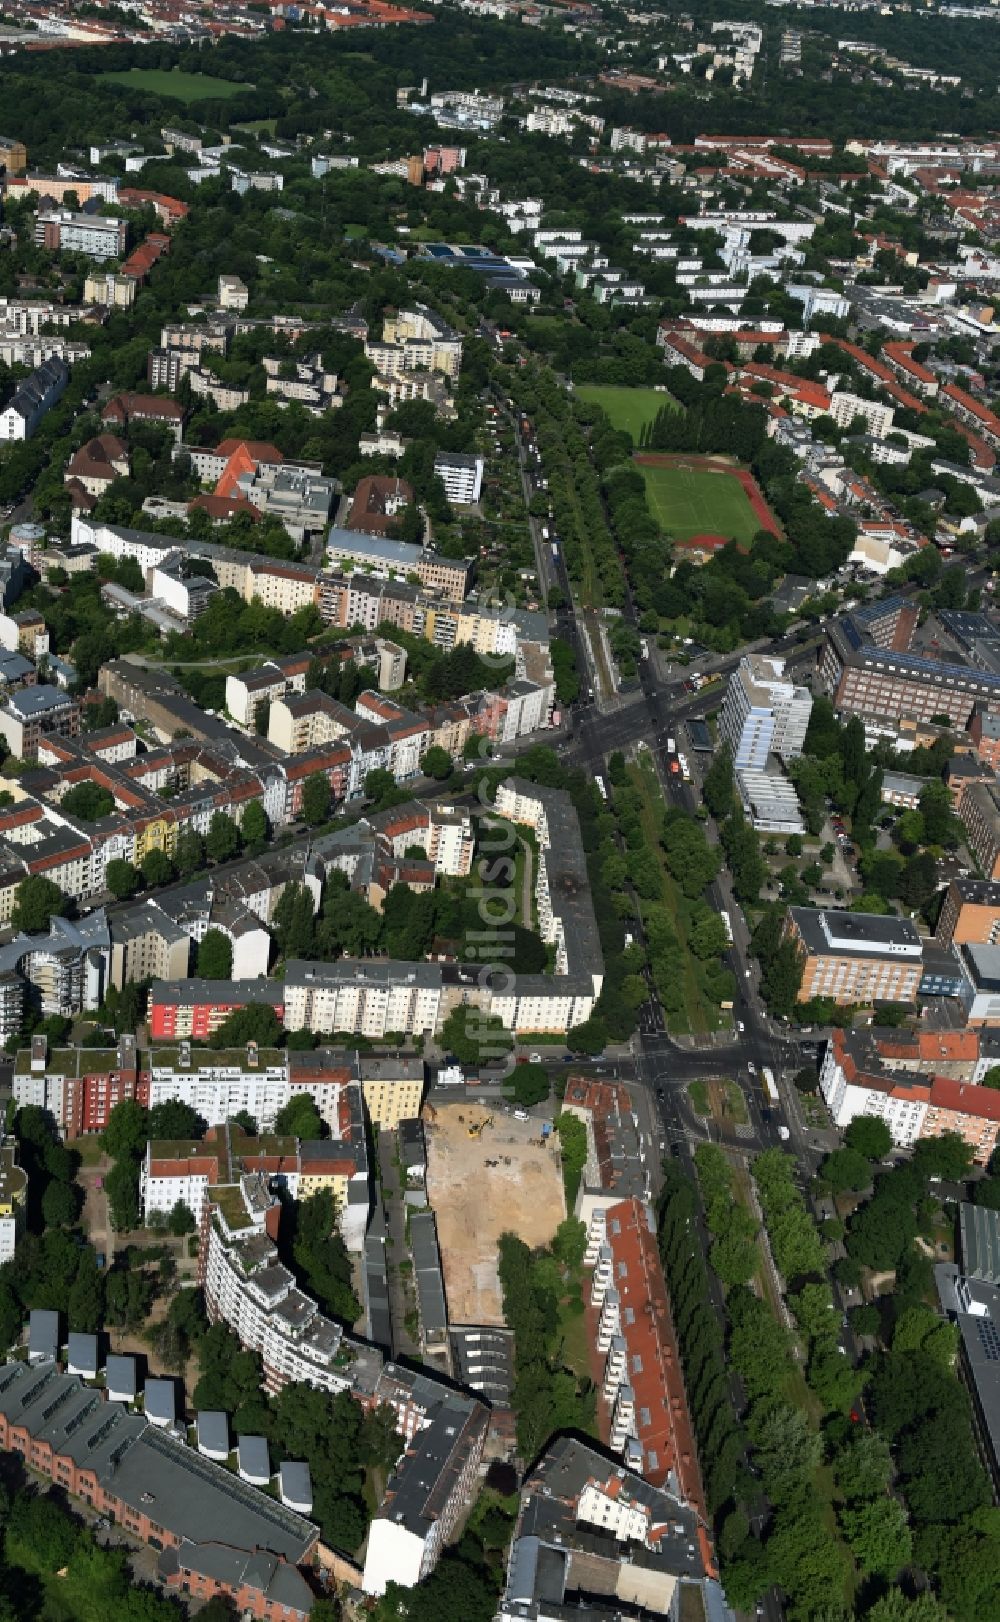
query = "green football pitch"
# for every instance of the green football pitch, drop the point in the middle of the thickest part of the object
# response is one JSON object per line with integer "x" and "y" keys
{"x": 181, "y": 86}
{"x": 630, "y": 409}
{"x": 689, "y": 501}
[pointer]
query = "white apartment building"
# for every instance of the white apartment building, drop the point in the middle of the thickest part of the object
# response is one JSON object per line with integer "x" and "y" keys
{"x": 234, "y": 293}
{"x": 849, "y": 1093}
{"x": 218, "y": 1092}
{"x": 462, "y": 476}
{"x": 247, "y": 1288}
{"x": 845, "y": 407}
{"x": 763, "y": 713}
{"x": 365, "y": 996}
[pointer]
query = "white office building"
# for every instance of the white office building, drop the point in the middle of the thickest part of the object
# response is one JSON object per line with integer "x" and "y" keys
{"x": 763, "y": 713}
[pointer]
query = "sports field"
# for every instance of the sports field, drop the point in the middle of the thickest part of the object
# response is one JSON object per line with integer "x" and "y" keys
{"x": 688, "y": 501}
{"x": 630, "y": 409}
{"x": 181, "y": 86}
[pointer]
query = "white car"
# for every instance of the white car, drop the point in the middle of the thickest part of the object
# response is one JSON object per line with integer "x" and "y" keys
{"x": 740, "y": 1026}
{"x": 752, "y": 1068}
{"x": 535, "y": 1058}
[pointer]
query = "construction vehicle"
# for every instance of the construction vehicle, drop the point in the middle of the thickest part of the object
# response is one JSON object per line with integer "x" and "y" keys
{"x": 476, "y": 1131}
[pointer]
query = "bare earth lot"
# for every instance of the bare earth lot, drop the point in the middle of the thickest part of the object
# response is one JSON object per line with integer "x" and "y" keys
{"x": 476, "y": 1197}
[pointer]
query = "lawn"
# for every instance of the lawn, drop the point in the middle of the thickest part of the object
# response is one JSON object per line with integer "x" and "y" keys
{"x": 630, "y": 409}
{"x": 179, "y": 86}
{"x": 692, "y": 501}
{"x": 698, "y": 1094}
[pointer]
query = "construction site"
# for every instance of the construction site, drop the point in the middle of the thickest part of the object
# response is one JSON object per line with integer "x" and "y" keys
{"x": 487, "y": 1174}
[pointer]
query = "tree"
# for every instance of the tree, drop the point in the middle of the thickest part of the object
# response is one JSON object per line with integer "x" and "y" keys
{"x": 316, "y": 799}
{"x": 189, "y": 853}
{"x": 436, "y": 762}
{"x": 181, "y": 1220}
{"x": 531, "y": 1084}
{"x": 869, "y": 1136}
{"x": 122, "y": 878}
{"x": 122, "y": 1188}
{"x": 473, "y": 1037}
{"x": 718, "y": 788}
{"x": 590, "y": 1037}
{"x": 59, "y": 1205}
{"x": 294, "y": 922}
{"x": 895, "y": 1607}
{"x": 222, "y": 842}
{"x": 258, "y": 1023}
{"x": 174, "y": 1119}
{"x": 846, "y": 1169}
{"x": 878, "y": 1536}
{"x": 88, "y": 801}
{"x": 948, "y": 1157}
{"x": 255, "y": 828}
{"x": 36, "y": 900}
{"x": 300, "y": 1118}
{"x": 321, "y": 1256}
{"x": 127, "y": 1131}
{"x": 215, "y": 956}
{"x": 157, "y": 868}
{"x": 866, "y": 1320}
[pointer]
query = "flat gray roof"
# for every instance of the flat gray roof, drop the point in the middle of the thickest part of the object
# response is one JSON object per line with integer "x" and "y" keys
{"x": 161, "y": 1400}
{"x": 120, "y": 1372}
{"x": 83, "y": 1351}
{"x": 43, "y": 1333}
{"x": 979, "y": 1230}
{"x": 213, "y": 1430}
{"x": 254, "y": 1456}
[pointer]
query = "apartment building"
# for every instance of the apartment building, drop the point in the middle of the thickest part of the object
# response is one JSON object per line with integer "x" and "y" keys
{"x": 846, "y": 408}
{"x": 181, "y": 1009}
{"x": 445, "y": 832}
{"x": 248, "y": 1288}
{"x": 462, "y": 476}
{"x": 369, "y": 997}
{"x": 35, "y": 713}
{"x": 13, "y": 1198}
{"x": 187, "y": 1170}
{"x": 912, "y": 1103}
{"x": 763, "y": 713}
{"x": 855, "y": 957}
{"x": 97, "y": 236}
{"x": 432, "y": 1485}
{"x": 565, "y": 915}
{"x": 984, "y": 729}
{"x": 234, "y": 294}
{"x": 970, "y": 914}
{"x": 643, "y": 1393}
{"x": 256, "y": 690}
{"x": 980, "y": 814}
{"x": 586, "y": 1526}
{"x": 393, "y": 1088}
{"x": 416, "y": 339}
{"x": 382, "y": 555}
{"x": 617, "y": 1166}
{"x": 13, "y": 155}
{"x": 33, "y": 398}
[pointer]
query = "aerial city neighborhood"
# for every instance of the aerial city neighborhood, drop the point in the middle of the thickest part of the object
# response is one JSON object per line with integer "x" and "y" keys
{"x": 499, "y": 812}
